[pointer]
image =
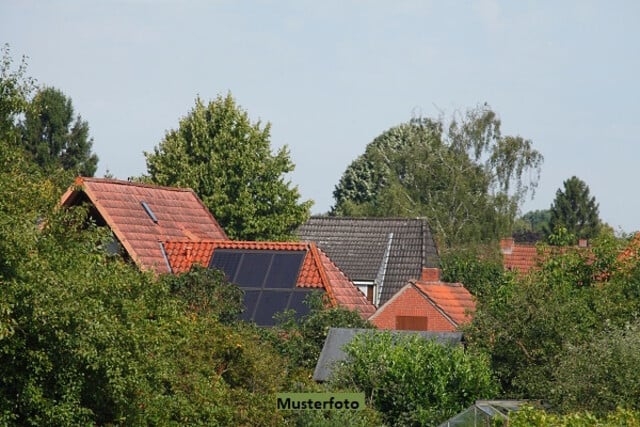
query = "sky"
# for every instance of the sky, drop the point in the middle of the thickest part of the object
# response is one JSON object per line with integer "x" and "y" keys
{"x": 332, "y": 75}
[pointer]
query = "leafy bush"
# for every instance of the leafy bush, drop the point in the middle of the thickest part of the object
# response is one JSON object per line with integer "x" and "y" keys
{"x": 530, "y": 417}
{"x": 411, "y": 380}
{"x": 301, "y": 339}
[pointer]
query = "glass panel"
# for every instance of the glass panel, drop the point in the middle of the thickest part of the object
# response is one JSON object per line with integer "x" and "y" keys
{"x": 271, "y": 302}
{"x": 225, "y": 261}
{"x": 297, "y": 302}
{"x": 250, "y": 302}
{"x": 253, "y": 269}
{"x": 284, "y": 270}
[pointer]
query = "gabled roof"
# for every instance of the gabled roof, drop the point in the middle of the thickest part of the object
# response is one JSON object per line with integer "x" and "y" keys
{"x": 332, "y": 350}
{"x": 387, "y": 251}
{"x": 142, "y": 216}
{"x": 452, "y": 301}
{"x": 317, "y": 271}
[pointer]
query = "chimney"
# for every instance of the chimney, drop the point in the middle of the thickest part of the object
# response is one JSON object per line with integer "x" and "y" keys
{"x": 430, "y": 274}
{"x": 583, "y": 243}
{"x": 506, "y": 245}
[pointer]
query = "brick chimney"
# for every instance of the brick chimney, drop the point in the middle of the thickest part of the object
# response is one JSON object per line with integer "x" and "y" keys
{"x": 583, "y": 243}
{"x": 430, "y": 274}
{"x": 506, "y": 245}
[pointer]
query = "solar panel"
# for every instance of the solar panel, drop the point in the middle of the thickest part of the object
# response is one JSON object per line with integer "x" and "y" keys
{"x": 268, "y": 279}
{"x": 226, "y": 261}
{"x": 297, "y": 301}
{"x": 284, "y": 271}
{"x": 253, "y": 269}
{"x": 250, "y": 302}
{"x": 271, "y": 302}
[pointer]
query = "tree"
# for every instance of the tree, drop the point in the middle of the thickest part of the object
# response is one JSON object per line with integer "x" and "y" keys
{"x": 575, "y": 210}
{"x": 227, "y": 161}
{"x": 413, "y": 380}
{"x": 15, "y": 89}
{"x": 533, "y": 226}
{"x": 54, "y": 138}
{"x": 88, "y": 339}
{"x": 534, "y": 326}
{"x": 467, "y": 181}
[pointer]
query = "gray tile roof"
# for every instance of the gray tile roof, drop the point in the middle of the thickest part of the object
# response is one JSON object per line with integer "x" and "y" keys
{"x": 389, "y": 251}
{"x": 332, "y": 351}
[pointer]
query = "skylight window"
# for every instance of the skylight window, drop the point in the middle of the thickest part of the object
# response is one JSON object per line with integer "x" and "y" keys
{"x": 149, "y": 212}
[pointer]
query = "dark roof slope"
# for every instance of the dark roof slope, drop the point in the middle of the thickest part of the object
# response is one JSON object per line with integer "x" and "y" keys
{"x": 389, "y": 251}
{"x": 332, "y": 350}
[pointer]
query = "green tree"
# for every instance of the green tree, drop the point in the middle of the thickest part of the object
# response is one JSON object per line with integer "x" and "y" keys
{"x": 412, "y": 380}
{"x": 468, "y": 181}
{"x": 227, "y": 161}
{"x": 300, "y": 339}
{"x": 87, "y": 339}
{"x": 576, "y": 210}
{"x": 54, "y": 138}
{"x": 533, "y": 226}
{"x": 15, "y": 90}
{"x": 536, "y": 323}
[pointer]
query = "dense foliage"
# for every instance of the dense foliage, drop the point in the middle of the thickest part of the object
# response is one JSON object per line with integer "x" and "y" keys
{"x": 532, "y": 417}
{"x": 54, "y": 137}
{"x": 414, "y": 381}
{"x": 300, "y": 338}
{"x": 227, "y": 161}
{"x": 575, "y": 210}
{"x": 543, "y": 329}
{"x": 468, "y": 181}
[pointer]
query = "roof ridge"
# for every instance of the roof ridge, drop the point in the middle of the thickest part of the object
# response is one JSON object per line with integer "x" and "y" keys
{"x": 367, "y": 218}
{"x": 82, "y": 179}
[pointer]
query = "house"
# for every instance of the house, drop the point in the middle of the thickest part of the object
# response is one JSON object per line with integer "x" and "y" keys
{"x": 275, "y": 276}
{"x": 380, "y": 255}
{"x": 333, "y": 348}
{"x": 522, "y": 258}
{"x": 427, "y": 304}
{"x": 142, "y": 216}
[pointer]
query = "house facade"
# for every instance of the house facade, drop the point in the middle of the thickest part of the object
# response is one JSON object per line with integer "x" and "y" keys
{"x": 427, "y": 304}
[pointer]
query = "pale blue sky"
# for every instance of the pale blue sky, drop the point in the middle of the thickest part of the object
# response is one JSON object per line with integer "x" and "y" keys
{"x": 332, "y": 75}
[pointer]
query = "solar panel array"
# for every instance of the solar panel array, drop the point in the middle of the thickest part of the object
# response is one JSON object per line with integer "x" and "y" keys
{"x": 268, "y": 279}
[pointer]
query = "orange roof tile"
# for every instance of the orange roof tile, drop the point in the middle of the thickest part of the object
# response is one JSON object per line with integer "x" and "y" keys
{"x": 453, "y": 299}
{"x": 521, "y": 258}
{"x": 317, "y": 271}
{"x": 143, "y": 216}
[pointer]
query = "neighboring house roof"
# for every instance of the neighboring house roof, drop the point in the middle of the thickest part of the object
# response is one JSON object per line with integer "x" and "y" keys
{"x": 332, "y": 350}
{"x": 519, "y": 258}
{"x": 522, "y": 258}
{"x": 142, "y": 216}
{"x": 444, "y": 306}
{"x": 316, "y": 271}
{"x": 385, "y": 251}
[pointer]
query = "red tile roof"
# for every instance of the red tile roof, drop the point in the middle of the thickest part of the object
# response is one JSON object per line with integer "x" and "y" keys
{"x": 143, "y": 216}
{"x": 453, "y": 299}
{"x": 518, "y": 257}
{"x": 442, "y": 306}
{"x": 317, "y": 271}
